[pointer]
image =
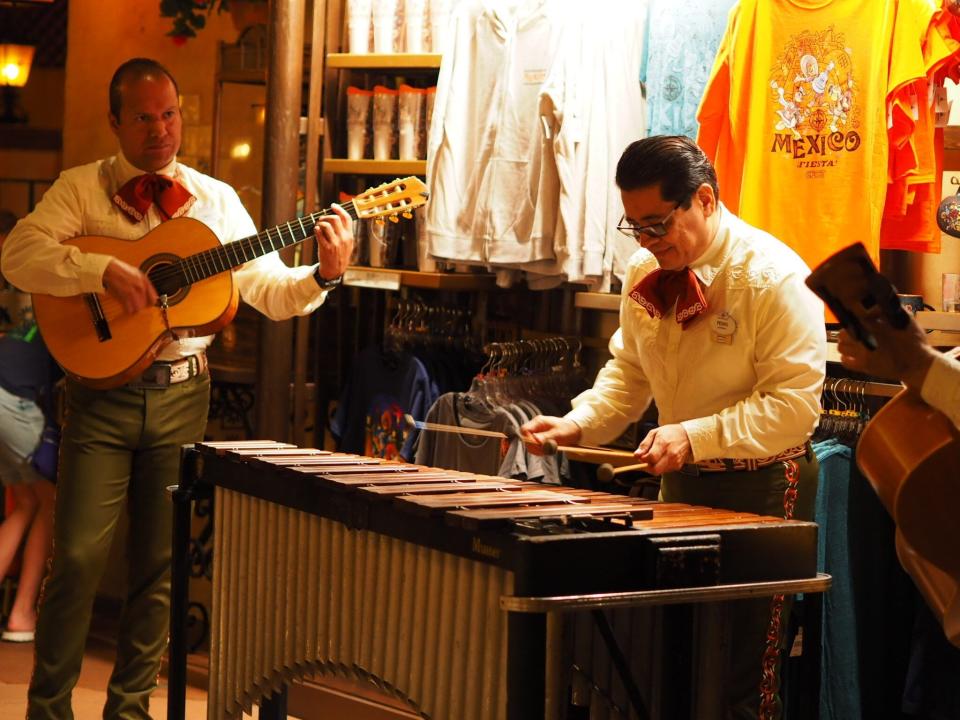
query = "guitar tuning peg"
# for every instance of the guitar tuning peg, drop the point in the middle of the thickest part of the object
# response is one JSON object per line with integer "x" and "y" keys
{"x": 407, "y": 214}
{"x": 394, "y": 219}
{"x": 378, "y": 221}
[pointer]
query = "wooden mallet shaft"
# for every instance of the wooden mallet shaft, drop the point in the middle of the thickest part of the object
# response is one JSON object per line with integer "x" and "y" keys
{"x": 607, "y": 472}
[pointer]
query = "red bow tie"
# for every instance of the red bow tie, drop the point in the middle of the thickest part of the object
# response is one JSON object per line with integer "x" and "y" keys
{"x": 137, "y": 195}
{"x": 659, "y": 290}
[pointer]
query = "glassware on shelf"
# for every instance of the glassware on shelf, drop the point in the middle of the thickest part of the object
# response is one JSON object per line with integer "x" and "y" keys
{"x": 358, "y": 21}
{"x": 358, "y": 118}
{"x": 384, "y": 121}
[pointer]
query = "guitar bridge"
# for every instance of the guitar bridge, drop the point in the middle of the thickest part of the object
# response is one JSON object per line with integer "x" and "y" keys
{"x": 100, "y": 324}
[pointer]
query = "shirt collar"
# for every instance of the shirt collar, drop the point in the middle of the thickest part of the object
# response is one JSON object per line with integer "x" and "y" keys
{"x": 708, "y": 265}
{"x": 126, "y": 170}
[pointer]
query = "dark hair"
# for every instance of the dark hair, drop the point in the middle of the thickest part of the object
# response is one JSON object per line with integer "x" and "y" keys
{"x": 135, "y": 69}
{"x": 675, "y": 162}
{"x": 7, "y": 221}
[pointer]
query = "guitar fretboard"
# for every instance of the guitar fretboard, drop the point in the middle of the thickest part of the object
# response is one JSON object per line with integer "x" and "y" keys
{"x": 214, "y": 261}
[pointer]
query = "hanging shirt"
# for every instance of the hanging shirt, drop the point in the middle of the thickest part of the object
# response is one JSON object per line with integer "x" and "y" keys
{"x": 744, "y": 379}
{"x": 489, "y": 194}
{"x": 913, "y": 193}
{"x": 80, "y": 203}
{"x": 382, "y": 389}
{"x": 593, "y": 107}
{"x": 795, "y": 115}
{"x": 472, "y": 453}
{"x": 679, "y": 53}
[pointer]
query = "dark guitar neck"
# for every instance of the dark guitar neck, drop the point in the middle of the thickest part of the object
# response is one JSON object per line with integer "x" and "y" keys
{"x": 194, "y": 268}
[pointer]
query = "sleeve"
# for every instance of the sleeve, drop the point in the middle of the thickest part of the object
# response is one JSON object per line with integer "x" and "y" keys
{"x": 790, "y": 360}
{"x": 34, "y": 257}
{"x": 267, "y": 283}
{"x": 941, "y": 387}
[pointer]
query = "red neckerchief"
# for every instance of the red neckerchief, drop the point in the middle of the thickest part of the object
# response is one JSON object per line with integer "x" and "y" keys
{"x": 137, "y": 195}
{"x": 659, "y": 290}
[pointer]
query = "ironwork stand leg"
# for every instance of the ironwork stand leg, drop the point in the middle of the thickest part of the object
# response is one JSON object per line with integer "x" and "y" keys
{"x": 621, "y": 663}
{"x": 179, "y": 591}
{"x": 275, "y": 706}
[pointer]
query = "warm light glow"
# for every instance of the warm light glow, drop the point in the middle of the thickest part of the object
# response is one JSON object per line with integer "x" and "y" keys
{"x": 240, "y": 151}
{"x": 15, "y": 64}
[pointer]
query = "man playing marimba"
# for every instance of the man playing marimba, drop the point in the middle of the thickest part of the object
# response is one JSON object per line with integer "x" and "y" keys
{"x": 718, "y": 328}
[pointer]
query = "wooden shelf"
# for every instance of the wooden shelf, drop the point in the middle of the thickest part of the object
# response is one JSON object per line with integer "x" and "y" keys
{"x": 609, "y": 302}
{"x": 395, "y": 278}
{"x": 391, "y": 61}
{"x": 395, "y": 168}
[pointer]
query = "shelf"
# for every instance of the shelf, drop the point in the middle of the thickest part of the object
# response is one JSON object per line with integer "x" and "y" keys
{"x": 609, "y": 302}
{"x": 375, "y": 167}
{"x": 390, "y": 61}
{"x": 395, "y": 278}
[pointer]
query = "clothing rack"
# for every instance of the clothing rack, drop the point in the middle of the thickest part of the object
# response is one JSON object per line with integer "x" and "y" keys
{"x": 853, "y": 386}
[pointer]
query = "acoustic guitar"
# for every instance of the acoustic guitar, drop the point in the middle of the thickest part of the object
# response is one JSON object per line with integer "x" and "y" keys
{"x": 100, "y": 345}
{"x": 909, "y": 451}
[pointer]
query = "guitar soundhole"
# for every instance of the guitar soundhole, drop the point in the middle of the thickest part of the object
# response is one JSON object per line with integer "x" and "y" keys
{"x": 166, "y": 278}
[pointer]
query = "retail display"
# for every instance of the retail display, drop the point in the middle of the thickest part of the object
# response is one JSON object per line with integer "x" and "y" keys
{"x": 524, "y": 145}
{"x": 795, "y": 117}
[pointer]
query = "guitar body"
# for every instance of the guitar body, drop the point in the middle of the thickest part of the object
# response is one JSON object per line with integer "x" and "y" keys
{"x": 202, "y": 308}
{"x": 910, "y": 452}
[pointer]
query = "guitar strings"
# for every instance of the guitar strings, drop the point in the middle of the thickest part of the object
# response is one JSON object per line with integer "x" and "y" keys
{"x": 205, "y": 263}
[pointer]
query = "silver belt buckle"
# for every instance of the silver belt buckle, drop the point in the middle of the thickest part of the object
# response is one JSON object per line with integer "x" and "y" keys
{"x": 182, "y": 369}
{"x": 155, "y": 377}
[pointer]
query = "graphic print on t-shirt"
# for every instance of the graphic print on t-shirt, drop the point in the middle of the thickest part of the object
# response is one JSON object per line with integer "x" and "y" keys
{"x": 385, "y": 428}
{"x": 815, "y": 95}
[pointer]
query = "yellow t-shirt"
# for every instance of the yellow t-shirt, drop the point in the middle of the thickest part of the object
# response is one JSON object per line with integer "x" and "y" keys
{"x": 795, "y": 115}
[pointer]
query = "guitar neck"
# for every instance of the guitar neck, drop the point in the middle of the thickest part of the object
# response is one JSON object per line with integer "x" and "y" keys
{"x": 234, "y": 254}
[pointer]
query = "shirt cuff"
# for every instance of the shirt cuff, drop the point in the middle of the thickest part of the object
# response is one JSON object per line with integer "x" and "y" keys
{"x": 704, "y": 440}
{"x": 940, "y": 386}
{"x": 593, "y": 263}
{"x": 90, "y": 274}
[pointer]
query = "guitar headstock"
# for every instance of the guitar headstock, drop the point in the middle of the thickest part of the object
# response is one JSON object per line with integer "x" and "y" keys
{"x": 394, "y": 198}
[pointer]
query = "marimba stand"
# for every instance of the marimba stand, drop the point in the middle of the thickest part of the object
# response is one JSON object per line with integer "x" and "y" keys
{"x": 535, "y": 624}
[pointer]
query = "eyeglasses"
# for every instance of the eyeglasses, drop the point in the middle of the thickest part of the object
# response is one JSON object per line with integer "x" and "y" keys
{"x": 657, "y": 229}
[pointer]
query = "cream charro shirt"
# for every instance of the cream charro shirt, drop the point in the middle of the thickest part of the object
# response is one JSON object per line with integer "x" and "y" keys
{"x": 941, "y": 387}
{"x": 751, "y": 397}
{"x": 80, "y": 203}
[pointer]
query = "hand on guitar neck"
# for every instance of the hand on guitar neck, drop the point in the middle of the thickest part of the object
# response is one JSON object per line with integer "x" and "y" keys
{"x": 132, "y": 288}
{"x": 901, "y": 354}
{"x": 335, "y": 243}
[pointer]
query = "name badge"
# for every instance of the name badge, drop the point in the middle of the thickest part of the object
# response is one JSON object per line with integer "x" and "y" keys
{"x": 724, "y": 327}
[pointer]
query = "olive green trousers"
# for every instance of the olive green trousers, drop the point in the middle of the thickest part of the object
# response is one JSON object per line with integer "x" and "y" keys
{"x": 119, "y": 448}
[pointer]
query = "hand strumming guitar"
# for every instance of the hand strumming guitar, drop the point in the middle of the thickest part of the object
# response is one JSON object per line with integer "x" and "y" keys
{"x": 128, "y": 286}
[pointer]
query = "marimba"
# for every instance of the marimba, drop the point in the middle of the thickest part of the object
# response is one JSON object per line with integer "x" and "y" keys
{"x": 398, "y": 574}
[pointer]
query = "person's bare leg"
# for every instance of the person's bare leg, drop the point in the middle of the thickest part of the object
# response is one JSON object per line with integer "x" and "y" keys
{"x": 23, "y": 614}
{"x": 16, "y": 523}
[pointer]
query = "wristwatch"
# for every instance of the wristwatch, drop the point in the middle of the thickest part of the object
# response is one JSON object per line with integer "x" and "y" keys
{"x": 324, "y": 283}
